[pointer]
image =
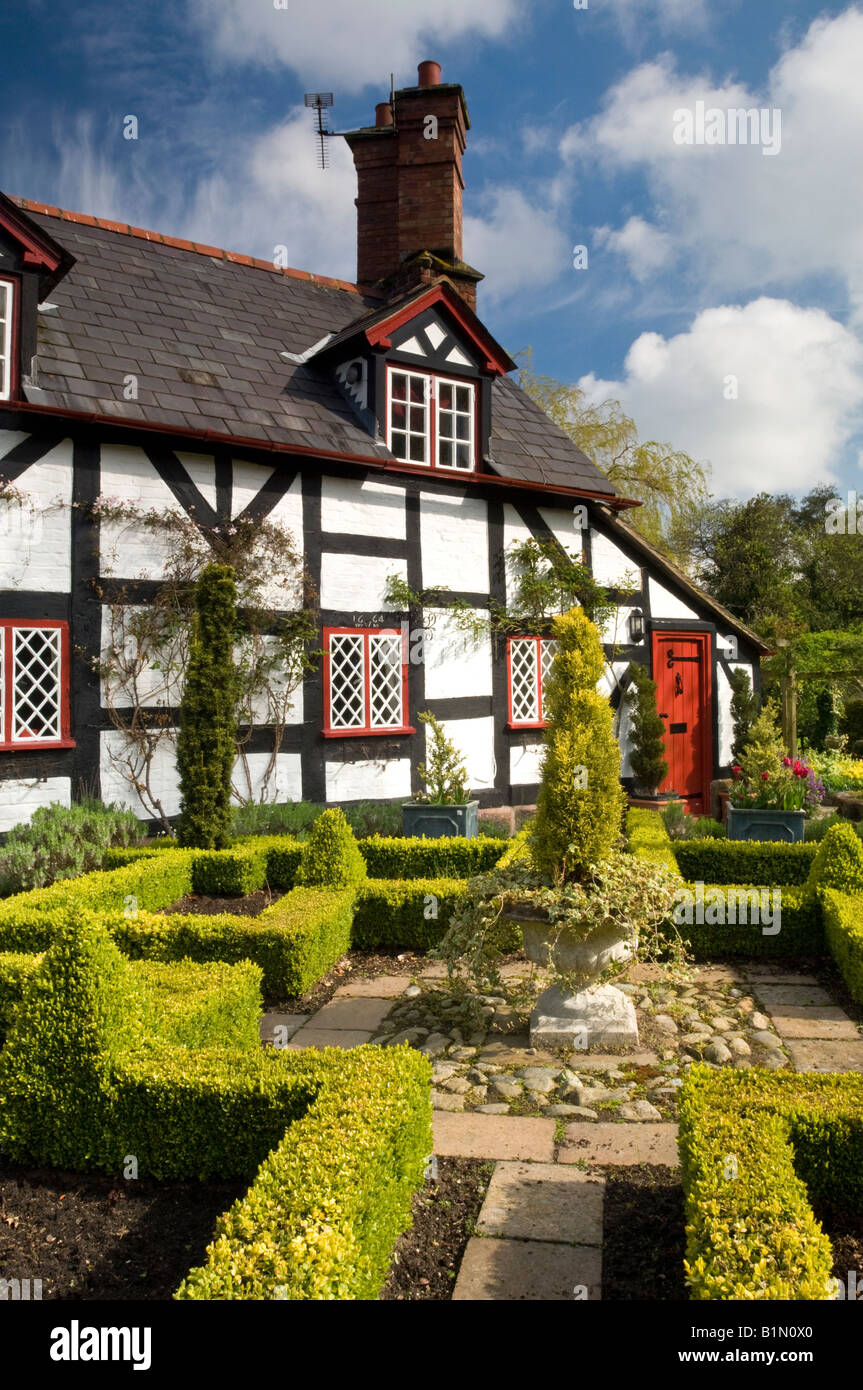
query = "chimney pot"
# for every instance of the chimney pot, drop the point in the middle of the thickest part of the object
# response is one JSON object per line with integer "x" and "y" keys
{"x": 429, "y": 74}
{"x": 383, "y": 113}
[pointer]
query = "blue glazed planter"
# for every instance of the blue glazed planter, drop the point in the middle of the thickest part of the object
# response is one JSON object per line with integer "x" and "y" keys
{"x": 751, "y": 823}
{"x": 436, "y": 822}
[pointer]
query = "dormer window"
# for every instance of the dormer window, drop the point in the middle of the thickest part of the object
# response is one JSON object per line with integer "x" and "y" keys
{"x": 7, "y": 320}
{"x": 431, "y": 420}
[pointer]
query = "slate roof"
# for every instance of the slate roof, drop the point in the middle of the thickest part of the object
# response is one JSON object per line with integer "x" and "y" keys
{"x": 202, "y": 330}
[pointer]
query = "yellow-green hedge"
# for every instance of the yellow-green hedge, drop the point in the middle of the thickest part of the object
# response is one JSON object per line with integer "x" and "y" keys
{"x": 843, "y": 930}
{"x": 753, "y": 1146}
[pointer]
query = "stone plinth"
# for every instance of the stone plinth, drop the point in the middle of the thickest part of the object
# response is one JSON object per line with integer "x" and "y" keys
{"x": 598, "y": 1017}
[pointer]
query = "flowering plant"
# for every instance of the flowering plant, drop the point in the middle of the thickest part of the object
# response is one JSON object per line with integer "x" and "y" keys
{"x": 766, "y": 778}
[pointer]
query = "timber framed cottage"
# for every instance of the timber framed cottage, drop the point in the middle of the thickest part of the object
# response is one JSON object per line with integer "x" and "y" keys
{"x": 379, "y": 425}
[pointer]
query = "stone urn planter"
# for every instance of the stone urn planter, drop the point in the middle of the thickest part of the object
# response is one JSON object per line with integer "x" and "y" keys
{"x": 595, "y": 1015}
{"x": 437, "y": 821}
{"x": 760, "y": 823}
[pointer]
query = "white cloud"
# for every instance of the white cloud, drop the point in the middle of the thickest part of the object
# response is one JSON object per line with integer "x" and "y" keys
{"x": 670, "y": 15}
{"x": 342, "y": 43}
{"x": 646, "y": 248}
{"x": 517, "y": 244}
{"x": 799, "y": 382}
{"x": 742, "y": 221}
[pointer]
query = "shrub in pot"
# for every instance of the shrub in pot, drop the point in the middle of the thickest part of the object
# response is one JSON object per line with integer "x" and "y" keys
{"x": 583, "y": 906}
{"x": 771, "y": 792}
{"x": 445, "y": 809}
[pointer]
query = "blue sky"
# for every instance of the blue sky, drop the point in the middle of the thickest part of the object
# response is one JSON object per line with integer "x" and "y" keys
{"x": 723, "y": 298}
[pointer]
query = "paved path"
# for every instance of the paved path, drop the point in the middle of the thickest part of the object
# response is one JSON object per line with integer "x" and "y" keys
{"x": 817, "y": 1034}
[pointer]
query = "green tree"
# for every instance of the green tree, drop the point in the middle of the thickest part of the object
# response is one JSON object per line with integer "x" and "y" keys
{"x": 206, "y": 744}
{"x": 647, "y": 754}
{"x": 664, "y": 479}
{"x": 445, "y": 774}
{"x": 580, "y": 801}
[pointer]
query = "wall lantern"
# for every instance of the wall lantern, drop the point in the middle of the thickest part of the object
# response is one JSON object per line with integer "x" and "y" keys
{"x": 636, "y": 626}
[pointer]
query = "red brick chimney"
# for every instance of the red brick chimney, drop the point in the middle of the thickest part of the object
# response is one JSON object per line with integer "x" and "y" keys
{"x": 410, "y": 186}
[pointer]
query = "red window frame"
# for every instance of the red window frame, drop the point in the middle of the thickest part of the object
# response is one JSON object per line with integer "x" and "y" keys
{"x": 7, "y": 627}
{"x": 12, "y": 340}
{"x": 367, "y": 730}
{"x": 433, "y": 408}
{"x": 514, "y": 723}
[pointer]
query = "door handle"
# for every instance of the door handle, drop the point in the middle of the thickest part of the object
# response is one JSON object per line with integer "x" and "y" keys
{"x": 663, "y": 716}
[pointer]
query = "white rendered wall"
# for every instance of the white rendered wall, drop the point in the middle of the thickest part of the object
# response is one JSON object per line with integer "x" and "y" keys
{"x": 201, "y": 469}
{"x": 358, "y": 583}
{"x": 525, "y": 765}
{"x": 368, "y": 781}
{"x": 117, "y": 787}
{"x": 247, "y": 479}
{"x": 515, "y": 532}
{"x": 474, "y": 739}
{"x": 150, "y": 686}
{"x": 610, "y": 566}
{"x": 288, "y": 515}
{"x": 665, "y": 605}
{"x": 20, "y": 798}
{"x": 455, "y": 664}
{"x": 723, "y": 707}
{"x": 366, "y": 508}
{"x": 567, "y": 525}
{"x": 454, "y": 539}
{"x": 285, "y": 782}
{"x": 131, "y": 551}
{"x": 35, "y": 531}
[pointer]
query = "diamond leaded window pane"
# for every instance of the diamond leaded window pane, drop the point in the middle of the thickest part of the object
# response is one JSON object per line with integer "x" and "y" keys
{"x": 385, "y": 678}
{"x": 347, "y": 681}
{"x": 36, "y": 683}
{"x": 523, "y": 678}
{"x": 547, "y": 653}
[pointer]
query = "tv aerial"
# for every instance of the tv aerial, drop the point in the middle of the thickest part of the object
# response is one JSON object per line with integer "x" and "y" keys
{"x": 319, "y": 103}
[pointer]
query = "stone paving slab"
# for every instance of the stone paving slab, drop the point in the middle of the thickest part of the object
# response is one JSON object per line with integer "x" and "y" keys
{"x": 775, "y": 996}
{"x": 383, "y": 987}
{"x": 353, "y": 1014}
{"x": 826, "y": 1056}
{"x": 273, "y": 1020}
{"x": 511, "y": 1049}
{"x": 830, "y": 1023}
{"x": 763, "y": 972}
{"x": 472, "y": 1135}
{"x": 329, "y": 1037}
{"x": 435, "y": 970}
{"x": 516, "y": 1270}
{"x": 543, "y": 1201}
{"x": 620, "y": 1143}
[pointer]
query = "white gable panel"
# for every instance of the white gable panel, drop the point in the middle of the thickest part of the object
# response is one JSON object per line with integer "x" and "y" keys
{"x": 566, "y": 526}
{"x": 454, "y": 539}
{"x": 368, "y": 781}
{"x": 19, "y": 799}
{"x": 414, "y": 347}
{"x": 455, "y": 663}
{"x": 131, "y": 551}
{"x": 358, "y": 583}
{"x": 611, "y": 566}
{"x": 525, "y": 765}
{"x": 665, "y": 605}
{"x": 474, "y": 739}
{"x": 436, "y": 334}
{"x": 248, "y": 479}
{"x": 9, "y": 440}
{"x": 366, "y": 508}
{"x": 35, "y": 528}
{"x": 456, "y": 355}
{"x": 201, "y": 468}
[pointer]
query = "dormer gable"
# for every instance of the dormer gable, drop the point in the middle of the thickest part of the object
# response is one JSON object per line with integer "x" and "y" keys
{"x": 31, "y": 264}
{"x": 419, "y": 373}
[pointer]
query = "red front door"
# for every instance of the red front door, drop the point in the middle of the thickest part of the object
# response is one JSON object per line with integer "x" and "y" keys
{"x": 681, "y": 669}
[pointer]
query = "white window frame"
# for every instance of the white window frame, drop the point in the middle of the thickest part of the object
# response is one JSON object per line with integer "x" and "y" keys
{"x": 7, "y": 291}
{"x": 433, "y": 409}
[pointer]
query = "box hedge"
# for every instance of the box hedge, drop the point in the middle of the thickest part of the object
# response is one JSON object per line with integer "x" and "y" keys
{"x": 744, "y": 861}
{"x": 295, "y": 941}
{"x": 753, "y": 1147}
{"x": 322, "y": 1217}
{"x": 412, "y": 915}
{"x": 647, "y": 838}
{"x": 448, "y": 857}
{"x": 843, "y": 931}
{"x": 227, "y": 873}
